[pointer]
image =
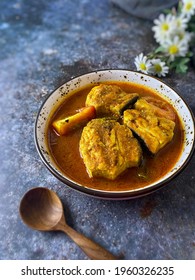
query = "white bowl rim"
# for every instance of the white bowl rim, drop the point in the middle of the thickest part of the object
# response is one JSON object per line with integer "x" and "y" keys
{"x": 101, "y": 193}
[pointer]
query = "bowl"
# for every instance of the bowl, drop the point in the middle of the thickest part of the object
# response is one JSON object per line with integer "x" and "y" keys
{"x": 92, "y": 78}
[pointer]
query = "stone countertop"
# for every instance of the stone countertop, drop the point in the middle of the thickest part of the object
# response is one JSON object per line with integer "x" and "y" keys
{"x": 43, "y": 44}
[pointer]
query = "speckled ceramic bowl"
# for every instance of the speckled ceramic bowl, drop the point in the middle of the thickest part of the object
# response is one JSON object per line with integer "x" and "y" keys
{"x": 57, "y": 97}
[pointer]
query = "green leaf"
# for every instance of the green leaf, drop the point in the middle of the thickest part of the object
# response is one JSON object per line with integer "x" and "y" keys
{"x": 191, "y": 24}
{"x": 167, "y": 11}
{"x": 180, "y": 65}
{"x": 159, "y": 49}
{"x": 181, "y": 69}
{"x": 179, "y": 8}
{"x": 191, "y": 27}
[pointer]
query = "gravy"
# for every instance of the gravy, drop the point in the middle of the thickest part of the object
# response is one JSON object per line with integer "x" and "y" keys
{"x": 65, "y": 149}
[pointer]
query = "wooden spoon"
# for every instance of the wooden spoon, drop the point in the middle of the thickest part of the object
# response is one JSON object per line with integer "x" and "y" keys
{"x": 41, "y": 209}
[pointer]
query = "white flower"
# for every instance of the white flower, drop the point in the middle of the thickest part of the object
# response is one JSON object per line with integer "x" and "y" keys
{"x": 181, "y": 22}
{"x": 142, "y": 63}
{"x": 188, "y": 8}
{"x": 163, "y": 27}
{"x": 175, "y": 48}
{"x": 158, "y": 68}
{"x": 184, "y": 35}
{"x": 172, "y": 33}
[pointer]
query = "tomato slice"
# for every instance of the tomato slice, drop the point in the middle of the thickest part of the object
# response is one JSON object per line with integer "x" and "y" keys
{"x": 161, "y": 108}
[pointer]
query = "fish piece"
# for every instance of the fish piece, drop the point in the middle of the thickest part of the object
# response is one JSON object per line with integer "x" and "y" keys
{"x": 110, "y": 100}
{"x": 155, "y": 131}
{"x": 108, "y": 148}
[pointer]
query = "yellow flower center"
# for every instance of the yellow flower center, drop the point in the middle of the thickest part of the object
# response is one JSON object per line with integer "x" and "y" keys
{"x": 188, "y": 6}
{"x": 165, "y": 27}
{"x": 157, "y": 68}
{"x": 179, "y": 23}
{"x": 173, "y": 49}
{"x": 142, "y": 66}
{"x": 181, "y": 36}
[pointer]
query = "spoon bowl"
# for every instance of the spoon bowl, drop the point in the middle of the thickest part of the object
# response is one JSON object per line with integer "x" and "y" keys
{"x": 41, "y": 209}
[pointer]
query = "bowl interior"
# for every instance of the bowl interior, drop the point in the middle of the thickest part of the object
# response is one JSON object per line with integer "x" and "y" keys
{"x": 57, "y": 97}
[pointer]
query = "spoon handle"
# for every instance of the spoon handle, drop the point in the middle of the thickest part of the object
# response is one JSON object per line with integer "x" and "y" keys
{"x": 91, "y": 249}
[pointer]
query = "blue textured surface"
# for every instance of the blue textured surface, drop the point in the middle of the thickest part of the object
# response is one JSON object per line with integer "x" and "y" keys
{"x": 43, "y": 44}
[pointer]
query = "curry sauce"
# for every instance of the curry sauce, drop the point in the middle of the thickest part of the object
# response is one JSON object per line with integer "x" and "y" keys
{"x": 65, "y": 149}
